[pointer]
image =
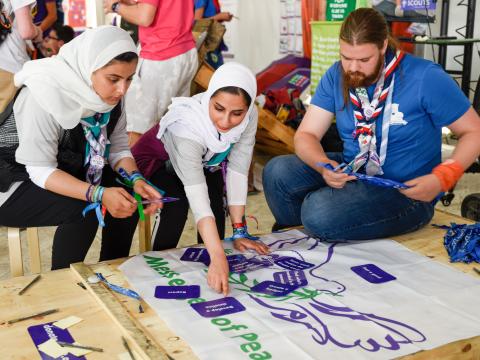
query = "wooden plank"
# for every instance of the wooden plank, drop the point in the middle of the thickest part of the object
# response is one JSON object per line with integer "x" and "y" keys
{"x": 145, "y": 234}
{"x": 277, "y": 146}
{"x": 467, "y": 349}
{"x": 269, "y": 122}
{"x": 203, "y": 76}
{"x": 270, "y": 150}
{"x": 15, "y": 252}
{"x": 136, "y": 335}
{"x": 262, "y": 133}
{"x": 55, "y": 290}
{"x": 175, "y": 346}
{"x": 34, "y": 250}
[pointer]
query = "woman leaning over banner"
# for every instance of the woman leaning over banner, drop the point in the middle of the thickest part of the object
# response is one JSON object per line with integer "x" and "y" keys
{"x": 70, "y": 123}
{"x": 203, "y": 144}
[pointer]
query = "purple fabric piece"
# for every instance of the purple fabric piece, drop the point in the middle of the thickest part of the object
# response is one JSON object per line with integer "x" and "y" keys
{"x": 292, "y": 277}
{"x": 45, "y": 332}
{"x": 196, "y": 255}
{"x": 219, "y": 307}
{"x": 177, "y": 292}
{"x": 372, "y": 273}
{"x": 273, "y": 288}
{"x": 149, "y": 153}
{"x": 291, "y": 263}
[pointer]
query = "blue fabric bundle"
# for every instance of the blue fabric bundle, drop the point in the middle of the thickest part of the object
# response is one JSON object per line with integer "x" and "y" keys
{"x": 462, "y": 242}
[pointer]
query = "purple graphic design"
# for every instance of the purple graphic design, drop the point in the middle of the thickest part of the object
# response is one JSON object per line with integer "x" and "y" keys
{"x": 219, "y": 307}
{"x": 292, "y": 277}
{"x": 316, "y": 315}
{"x": 177, "y": 292}
{"x": 273, "y": 288}
{"x": 279, "y": 244}
{"x": 372, "y": 273}
{"x": 196, "y": 255}
{"x": 45, "y": 332}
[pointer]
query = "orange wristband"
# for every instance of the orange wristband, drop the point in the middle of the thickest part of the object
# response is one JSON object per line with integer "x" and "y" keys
{"x": 448, "y": 172}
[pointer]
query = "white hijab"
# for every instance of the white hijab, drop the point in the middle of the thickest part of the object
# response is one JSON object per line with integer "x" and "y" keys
{"x": 189, "y": 117}
{"x": 62, "y": 84}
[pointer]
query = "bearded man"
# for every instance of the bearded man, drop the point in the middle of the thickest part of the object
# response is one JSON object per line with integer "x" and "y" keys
{"x": 389, "y": 108}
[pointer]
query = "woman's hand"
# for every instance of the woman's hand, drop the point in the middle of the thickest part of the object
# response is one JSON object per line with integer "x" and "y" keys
{"x": 423, "y": 188}
{"x": 243, "y": 244}
{"x": 218, "y": 271}
{"x": 119, "y": 203}
{"x": 148, "y": 192}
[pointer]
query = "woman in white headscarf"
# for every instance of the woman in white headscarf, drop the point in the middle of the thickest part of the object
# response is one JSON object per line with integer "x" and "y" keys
{"x": 70, "y": 123}
{"x": 197, "y": 140}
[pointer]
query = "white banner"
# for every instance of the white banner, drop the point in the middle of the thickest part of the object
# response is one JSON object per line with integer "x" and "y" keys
{"x": 357, "y": 300}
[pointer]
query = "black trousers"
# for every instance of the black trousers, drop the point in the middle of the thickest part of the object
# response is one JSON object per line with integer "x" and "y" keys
{"x": 32, "y": 206}
{"x": 174, "y": 215}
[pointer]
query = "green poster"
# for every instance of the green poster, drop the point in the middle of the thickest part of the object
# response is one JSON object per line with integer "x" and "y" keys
{"x": 337, "y": 10}
{"x": 325, "y": 48}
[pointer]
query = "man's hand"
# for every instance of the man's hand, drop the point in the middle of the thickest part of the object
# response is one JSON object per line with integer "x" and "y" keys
{"x": 424, "y": 188}
{"x": 334, "y": 179}
{"x": 244, "y": 244}
{"x": 119, "y": 203}
{"x": 148, "y": 192}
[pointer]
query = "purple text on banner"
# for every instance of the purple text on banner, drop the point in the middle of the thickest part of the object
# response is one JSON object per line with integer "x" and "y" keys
{"x": 219, "y": 307}
{"x": 45, "y": 332}
{"x": 273, "y": 288}
{"x": 196, "y": 255}
{"x": 372, "y": 273}
{"x": 292, "y": 277}
{"x": 291, "y": 263}
{"x": 177, "y": 292}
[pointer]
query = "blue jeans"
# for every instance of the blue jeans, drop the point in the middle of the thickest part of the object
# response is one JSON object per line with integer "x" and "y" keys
{"x": 297, "y": 194}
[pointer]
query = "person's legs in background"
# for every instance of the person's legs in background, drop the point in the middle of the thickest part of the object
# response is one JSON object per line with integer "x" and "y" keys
{"x": 154, "y": 86}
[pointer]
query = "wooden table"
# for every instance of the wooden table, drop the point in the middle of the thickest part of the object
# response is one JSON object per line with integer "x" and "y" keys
{"x": 59, "y": 289}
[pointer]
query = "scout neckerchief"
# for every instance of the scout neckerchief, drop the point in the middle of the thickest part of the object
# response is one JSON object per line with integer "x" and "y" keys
{"x": 96, "y": 149}
{"x": 366, "y": 113}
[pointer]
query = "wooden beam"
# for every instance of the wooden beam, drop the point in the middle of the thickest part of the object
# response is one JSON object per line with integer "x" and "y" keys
{"x": 133, "y": 331}
{"x": 269, "y": 122}
{"x": 34, "y": 250}
{"x": 262, "y": 133}
{"x": 270, "y": 150}
{"x": 203, "y": 76}
{"x": 15, "y": 252}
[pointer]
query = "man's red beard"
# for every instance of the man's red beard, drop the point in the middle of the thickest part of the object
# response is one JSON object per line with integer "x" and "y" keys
{"x": 358, "y": 79}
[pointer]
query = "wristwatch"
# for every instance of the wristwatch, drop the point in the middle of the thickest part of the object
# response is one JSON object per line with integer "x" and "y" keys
{"x": 115, "y": 7}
